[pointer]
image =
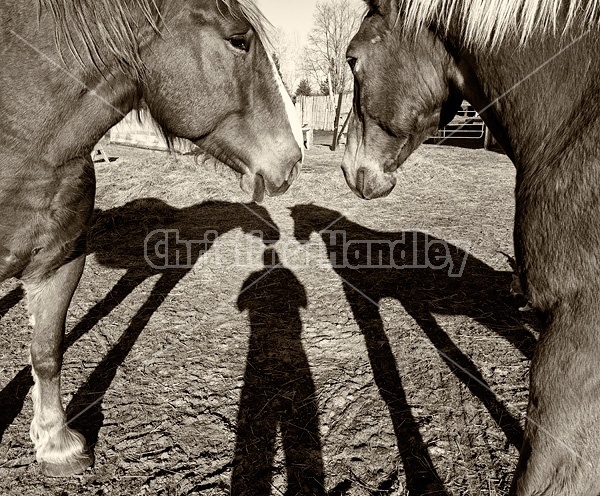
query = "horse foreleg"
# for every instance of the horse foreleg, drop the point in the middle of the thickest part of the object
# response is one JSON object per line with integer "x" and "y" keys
{"x": 561, "y": 452}
{"x": 60, "y": 450}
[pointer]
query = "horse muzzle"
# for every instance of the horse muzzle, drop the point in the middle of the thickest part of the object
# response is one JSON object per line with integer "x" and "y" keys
{"x": 368, "y": 184}
{"x": 259, "y": 183}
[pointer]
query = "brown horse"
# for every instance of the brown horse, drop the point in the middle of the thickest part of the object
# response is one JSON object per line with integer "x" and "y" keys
{"x": 70, "y": 71}
{"x": 531, "y": 69}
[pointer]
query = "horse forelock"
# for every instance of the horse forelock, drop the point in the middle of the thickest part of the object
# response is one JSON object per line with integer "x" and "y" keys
{"x": 253, "y": 15}
{"x": 103, "y": 29}
{"x": 487, "y": 23}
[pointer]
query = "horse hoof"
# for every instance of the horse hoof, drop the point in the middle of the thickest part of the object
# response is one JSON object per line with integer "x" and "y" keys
{"x": 68, "y": 468}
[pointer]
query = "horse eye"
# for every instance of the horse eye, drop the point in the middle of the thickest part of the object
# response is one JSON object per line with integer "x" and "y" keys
{"x": 351, "y": 62}
{"x": 239, "y": 42}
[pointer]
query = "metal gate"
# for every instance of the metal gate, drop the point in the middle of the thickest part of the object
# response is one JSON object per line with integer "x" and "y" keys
{"x": 466, "y": 125}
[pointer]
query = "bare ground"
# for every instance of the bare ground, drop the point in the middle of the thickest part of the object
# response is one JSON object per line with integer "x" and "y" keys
{"x": 231, "y": 376}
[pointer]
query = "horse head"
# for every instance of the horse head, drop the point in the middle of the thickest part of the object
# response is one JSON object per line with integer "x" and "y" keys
{"x": 310, "y": 218}
{"x": 405, "y": 87}
{"x": 209, "y": 78}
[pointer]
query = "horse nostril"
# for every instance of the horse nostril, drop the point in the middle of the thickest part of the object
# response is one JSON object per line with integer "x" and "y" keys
{"x": 360, "y": 179}
{"x": 294, "y": 172}
{"x": 345, "y": 174}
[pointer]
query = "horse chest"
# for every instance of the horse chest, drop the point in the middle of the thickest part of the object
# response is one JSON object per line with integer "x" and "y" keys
{"x": 44, "y": 212}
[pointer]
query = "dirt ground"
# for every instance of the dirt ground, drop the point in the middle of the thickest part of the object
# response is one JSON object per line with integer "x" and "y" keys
{"x": 263, "y": 361}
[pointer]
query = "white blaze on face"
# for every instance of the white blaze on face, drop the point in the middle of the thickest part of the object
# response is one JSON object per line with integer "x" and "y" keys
{"x": 289, "y": 107}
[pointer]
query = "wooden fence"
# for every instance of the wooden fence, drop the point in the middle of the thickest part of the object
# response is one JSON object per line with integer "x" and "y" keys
{"x": 143, "y": 132}
{"x": 318, "y": 112}
{"x": 315, "y": 112}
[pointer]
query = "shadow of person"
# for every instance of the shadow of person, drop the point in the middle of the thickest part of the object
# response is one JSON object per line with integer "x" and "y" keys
{"x": 427, "y": 276}
{"x": 122, "y": 238}
{"x": 278, "y": 391}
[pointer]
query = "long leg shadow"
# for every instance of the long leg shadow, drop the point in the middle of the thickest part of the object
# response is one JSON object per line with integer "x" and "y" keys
{"x": 118, "y": 241}
{"x": 421, "y": 272}
{"x": 14, "y": 393}
{"x": 465, "y": 370}
{"x": 13, "y": 396}
{"x": 278, "y": 392}
{"x": 85, "y": 408}
{"x": 10, "y": 299}
{"x": 421, "y": 476}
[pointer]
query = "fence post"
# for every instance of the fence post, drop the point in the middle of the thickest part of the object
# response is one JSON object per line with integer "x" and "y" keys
{"x": 489, "y": 141}
{"x": 336, "y": 122}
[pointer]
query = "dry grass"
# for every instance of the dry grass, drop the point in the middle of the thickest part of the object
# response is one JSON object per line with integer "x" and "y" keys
{"x": 182, "y": 359}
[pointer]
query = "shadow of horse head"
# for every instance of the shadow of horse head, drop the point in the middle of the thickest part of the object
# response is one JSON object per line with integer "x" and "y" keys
{"x": 150, "y": 236}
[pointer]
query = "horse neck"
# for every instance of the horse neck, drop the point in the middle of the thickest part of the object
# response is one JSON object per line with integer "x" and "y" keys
{"x": 540, "y": 102}
{"x": 53, "y": 106}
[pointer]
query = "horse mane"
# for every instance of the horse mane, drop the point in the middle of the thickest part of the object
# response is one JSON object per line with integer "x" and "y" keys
{"x": 487, "y": 23}
{"x": 253, "y": 15}
{"x": 101, "y": 29}
{"x": 108, "y": 28}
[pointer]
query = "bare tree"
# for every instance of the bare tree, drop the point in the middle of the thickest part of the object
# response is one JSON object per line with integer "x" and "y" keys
{"x": 335, "y": 22}
{"x": 287, "y": 52}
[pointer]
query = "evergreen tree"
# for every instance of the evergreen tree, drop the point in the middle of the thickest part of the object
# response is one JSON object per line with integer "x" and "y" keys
{"x": 304, "y": 88}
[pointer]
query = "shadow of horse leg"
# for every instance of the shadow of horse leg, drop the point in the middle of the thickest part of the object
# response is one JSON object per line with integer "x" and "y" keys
{"x": 9, "y": 300}
{"x": 421, "y": 476}
{"x": 13, "y": 396}
{"x": 466, "y": 371}
{"x": 85, "y": 409}
{"x": 60, "y": 450}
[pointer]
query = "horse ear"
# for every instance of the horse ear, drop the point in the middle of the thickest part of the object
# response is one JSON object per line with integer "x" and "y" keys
{"x": 383, "y": 7}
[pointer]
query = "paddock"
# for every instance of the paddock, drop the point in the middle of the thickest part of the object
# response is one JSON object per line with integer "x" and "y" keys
{"x": 154, "y": 379}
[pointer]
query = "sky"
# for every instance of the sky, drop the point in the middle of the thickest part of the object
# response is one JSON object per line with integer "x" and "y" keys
{"x": 291, "y": 16}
